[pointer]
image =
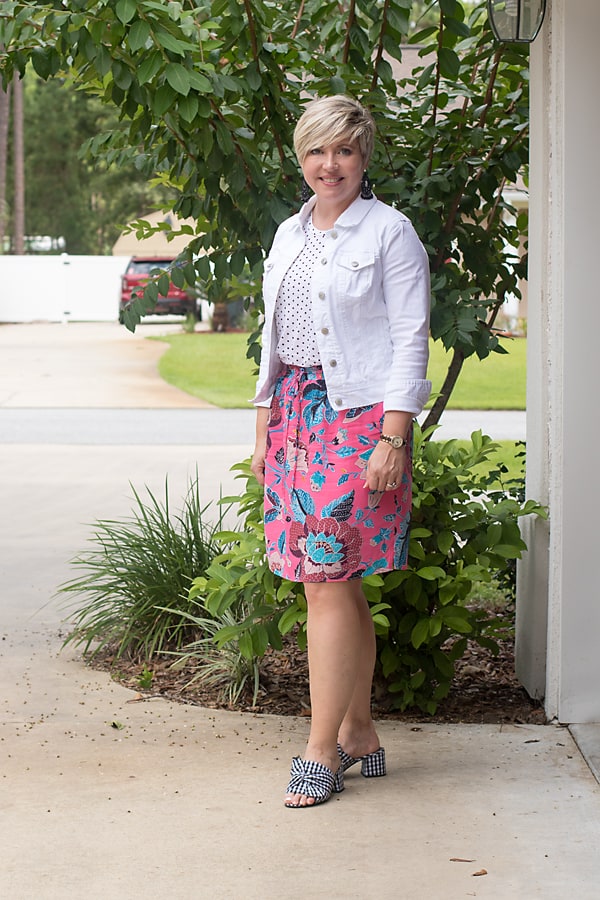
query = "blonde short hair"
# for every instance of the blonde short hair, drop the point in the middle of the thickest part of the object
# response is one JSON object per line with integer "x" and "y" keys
{"x": 329, "y": 120}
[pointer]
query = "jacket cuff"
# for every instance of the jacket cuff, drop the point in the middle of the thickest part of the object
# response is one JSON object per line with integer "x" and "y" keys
{"x": 410, "y": 396}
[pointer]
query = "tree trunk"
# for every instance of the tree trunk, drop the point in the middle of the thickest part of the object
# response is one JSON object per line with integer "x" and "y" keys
{"x": 4, "y": 119}
{"x": 19, "y": 165}
{"x": 440, "y": 403}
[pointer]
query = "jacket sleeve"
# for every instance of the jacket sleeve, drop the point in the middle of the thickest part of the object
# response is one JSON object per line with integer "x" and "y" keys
{"x": 406, "y": 292}
{"x": 264, "y": 387}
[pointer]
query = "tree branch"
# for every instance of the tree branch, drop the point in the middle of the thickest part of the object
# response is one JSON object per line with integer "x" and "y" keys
{"x": 439, "y": 404}
{"x": 351, "y": 20}
{"x": 379, "y": 52}
{"x": 296, "y": 27}
{"x": 436, "y": 90}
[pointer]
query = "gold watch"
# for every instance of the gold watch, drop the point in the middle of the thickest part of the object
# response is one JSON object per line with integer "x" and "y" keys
{"x": 395, "y": 440}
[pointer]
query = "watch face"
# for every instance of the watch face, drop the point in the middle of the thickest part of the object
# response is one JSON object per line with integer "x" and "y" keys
{"x": 395, "y": 440}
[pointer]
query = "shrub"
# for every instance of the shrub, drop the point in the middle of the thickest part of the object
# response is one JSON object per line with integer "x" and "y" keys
{"x": 465, "y": 529}
{"x": 133, "y": 594}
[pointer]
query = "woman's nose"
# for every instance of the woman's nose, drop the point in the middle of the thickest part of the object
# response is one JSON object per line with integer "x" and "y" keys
{"x": 330, "y": 160}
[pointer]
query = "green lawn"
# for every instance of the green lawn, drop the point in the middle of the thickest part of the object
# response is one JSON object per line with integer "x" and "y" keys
{"x": 497, "y": 382}
{"x": 210, "y": 365}
{"x": 213, "y": 366}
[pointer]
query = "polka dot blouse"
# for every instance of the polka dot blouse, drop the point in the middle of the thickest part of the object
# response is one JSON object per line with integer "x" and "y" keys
{"x": 296, "y": 339}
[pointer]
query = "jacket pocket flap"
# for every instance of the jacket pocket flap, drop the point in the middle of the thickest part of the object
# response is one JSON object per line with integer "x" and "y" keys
{"x": 357, "y": 260}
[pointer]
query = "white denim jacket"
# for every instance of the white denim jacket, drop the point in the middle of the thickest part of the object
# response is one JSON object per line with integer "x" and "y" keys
{"x": 370, "y": 305}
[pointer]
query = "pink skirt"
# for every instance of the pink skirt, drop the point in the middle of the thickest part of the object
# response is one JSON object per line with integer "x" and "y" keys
{"x": 321, "y": 521}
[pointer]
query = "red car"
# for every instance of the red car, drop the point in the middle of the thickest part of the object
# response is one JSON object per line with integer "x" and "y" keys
{"x": 178, "y": 301}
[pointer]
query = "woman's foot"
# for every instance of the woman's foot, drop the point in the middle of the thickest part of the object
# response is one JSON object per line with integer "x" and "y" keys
{"x": 312, "y": 783}
{"x": 359, "y": 742}
{"x": 301, "y": 790}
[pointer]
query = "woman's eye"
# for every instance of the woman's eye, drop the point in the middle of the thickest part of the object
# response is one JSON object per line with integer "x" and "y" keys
{"x": 315, "y": 151}
{"x": 346, "y": 151}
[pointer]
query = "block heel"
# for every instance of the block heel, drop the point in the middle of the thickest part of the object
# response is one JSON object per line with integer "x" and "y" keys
{"x": 372, "y": 765}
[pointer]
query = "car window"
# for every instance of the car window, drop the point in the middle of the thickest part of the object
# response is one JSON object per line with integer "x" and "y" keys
{"x": 145, "y": 266}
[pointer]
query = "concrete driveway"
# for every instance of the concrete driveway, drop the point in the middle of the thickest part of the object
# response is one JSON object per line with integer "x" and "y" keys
{"x": 104, "y": 795}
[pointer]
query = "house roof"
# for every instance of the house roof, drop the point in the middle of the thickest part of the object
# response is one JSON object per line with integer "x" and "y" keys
{"x": 128, "y": 244}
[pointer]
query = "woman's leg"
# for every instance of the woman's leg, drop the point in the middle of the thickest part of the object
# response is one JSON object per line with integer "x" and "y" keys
{"x": 357, "y": 733}
{"x": 336, "y": 630}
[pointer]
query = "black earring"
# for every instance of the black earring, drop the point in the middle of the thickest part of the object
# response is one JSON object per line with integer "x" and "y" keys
{"x": 366, "y": 187}
{"x": 304, "y": 191}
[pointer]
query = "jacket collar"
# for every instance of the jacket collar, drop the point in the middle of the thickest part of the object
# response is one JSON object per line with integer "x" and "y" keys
{"x": 354, "y": 214}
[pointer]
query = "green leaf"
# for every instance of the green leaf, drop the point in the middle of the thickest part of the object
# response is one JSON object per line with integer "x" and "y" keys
{"x": 449, "y": 63}
{"x": 163, "y": 284}
{"x": 178, "y": 276}
{"x": 169, "y": 42}
{"x": 246, "y": 645}
{"x": 126, "y": 10}
{"x": 179, "y": 78}
{"x": 430, "y": 573}
{"x": 150, "y": 65}
{"x": 260, "y": 640}
{"x": 46, "y": 61}
{"x": 420, "y": 633}
{"x": 445, "y": 541}
{"x": 103, "y": 60}
{"x": 188, "y": 107}
{"x": 163, "y": 99}
{"x": 138, "y": 35}
{"x": 448, "y": 7}
{"x": 289, "y": 619}
{"x": 337, "y": 85}
{"x": 200, "y": 82}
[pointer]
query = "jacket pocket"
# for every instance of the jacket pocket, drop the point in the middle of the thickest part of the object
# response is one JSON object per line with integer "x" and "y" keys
{"x": 355, "y": 273}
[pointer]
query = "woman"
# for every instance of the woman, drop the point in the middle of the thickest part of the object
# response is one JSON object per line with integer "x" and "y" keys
{"x": 342, "y": 374}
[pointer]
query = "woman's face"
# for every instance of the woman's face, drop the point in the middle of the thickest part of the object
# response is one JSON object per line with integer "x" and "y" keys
{"x": 334, "y": 172}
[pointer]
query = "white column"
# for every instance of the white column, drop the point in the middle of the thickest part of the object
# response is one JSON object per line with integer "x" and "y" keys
{"x": 559, "y": 581}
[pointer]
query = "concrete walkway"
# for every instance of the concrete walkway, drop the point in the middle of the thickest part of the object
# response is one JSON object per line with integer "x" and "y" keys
{"x": 103, "y": 795}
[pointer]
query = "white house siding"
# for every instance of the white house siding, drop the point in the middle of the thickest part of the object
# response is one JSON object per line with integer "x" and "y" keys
{"x": 558, "y": 598}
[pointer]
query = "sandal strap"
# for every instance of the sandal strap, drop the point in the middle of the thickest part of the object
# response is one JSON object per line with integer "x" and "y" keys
{"x": 345, "y": 758}
{"x": 312, "y": 779}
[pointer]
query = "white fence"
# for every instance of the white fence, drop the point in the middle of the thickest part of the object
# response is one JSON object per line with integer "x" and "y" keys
{"x": 60, "y": 288}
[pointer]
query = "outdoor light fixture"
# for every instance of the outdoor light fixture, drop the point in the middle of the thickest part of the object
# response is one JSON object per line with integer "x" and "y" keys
{"x": 516, "y": 21}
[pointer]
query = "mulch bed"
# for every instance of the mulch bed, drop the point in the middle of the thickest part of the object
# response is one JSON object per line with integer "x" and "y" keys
{"x": 485, "y": 688}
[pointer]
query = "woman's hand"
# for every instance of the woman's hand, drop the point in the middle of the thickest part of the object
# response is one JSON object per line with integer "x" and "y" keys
{"x": 257, "y": 464}
{"x": 385, "y": 467}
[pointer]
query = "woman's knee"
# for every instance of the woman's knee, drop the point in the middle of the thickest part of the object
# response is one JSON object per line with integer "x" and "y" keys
{"x": 322, "y": 592}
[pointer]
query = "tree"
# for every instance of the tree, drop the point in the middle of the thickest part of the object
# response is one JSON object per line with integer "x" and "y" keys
{"x": 209, "y": 92}
{"x": 19, "y": 169}
{"x": 4, "y": 120}
{"x": 71, "y": 196}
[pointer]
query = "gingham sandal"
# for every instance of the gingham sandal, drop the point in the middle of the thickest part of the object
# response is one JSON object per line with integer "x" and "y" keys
{"x": 372, "y": 764}
{"x": 313, "y": 779}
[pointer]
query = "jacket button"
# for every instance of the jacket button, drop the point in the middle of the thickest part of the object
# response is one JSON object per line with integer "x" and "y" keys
{"x": 324, "y": 261}
{"x": 321, "y": 295}
{"x": 338, "y": 401}
{"x": 324, "y": 330}
{"x": 333, "y": 363}
{"x": 354, "y": 264}
{"x": 334, "y": 235}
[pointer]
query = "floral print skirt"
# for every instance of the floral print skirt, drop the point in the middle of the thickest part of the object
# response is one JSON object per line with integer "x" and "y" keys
{"x": 321, "y": 521}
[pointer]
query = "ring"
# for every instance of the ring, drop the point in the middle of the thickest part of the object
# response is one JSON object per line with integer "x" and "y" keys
{"x": 391, "y": 484}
